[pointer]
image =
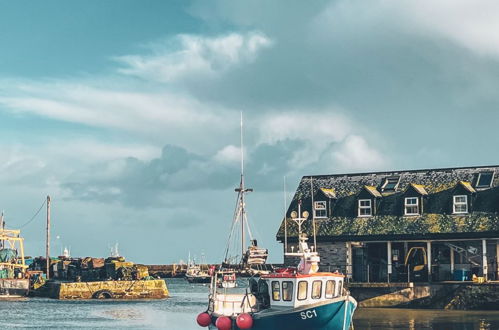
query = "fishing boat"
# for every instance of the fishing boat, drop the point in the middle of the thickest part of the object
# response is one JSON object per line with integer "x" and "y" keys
{"x": 14, "y": 281}
{"x": 195, "y": 274}
{"x": 294, "y": 298}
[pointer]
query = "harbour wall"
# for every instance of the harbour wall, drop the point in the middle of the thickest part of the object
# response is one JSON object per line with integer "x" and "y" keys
{"x": 450, "y": 296}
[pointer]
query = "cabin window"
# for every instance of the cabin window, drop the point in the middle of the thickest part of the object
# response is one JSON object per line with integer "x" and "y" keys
{"x": 316, "y": 289}
{"x": 276, "y": 291}
{"x": 340, "y": 287}
{"x": 302, "y": 290}
{"x": 330, "y": 286}
{"x": 460, "y": 204}
{"x": 320, "y": 209}
{"x": 287, "y": 290}
{"x": 365, "y": 208}
{"x": 484, "y": 179}
{"x": 411, "y": 206}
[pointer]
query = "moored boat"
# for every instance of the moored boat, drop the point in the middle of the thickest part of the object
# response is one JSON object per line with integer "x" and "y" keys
{"x": 290, "y": 298}
{"x": 14, "y": 281}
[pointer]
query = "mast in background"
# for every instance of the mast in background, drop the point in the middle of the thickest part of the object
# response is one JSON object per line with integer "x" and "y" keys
{"x": 47, "y": 250}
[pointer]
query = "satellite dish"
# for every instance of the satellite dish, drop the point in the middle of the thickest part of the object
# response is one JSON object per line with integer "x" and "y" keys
{"x": 305, "y": 214}
{"x": 294, "y": 215}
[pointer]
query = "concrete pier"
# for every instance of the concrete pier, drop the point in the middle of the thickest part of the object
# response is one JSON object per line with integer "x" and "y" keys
{"x": 139, "y": 289}
{"x": 443, "y": 295}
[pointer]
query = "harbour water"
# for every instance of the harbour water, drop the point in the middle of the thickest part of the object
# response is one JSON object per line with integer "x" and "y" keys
{"x": 187, "y": 300}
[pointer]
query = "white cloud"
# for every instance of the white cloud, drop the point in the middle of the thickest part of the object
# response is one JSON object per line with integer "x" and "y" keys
{"x": 473, "y": 24}
{"x": 162, "y": 116}
{"x": 196, "y": 56}
{"x": 331, "y": 140}
{"x": 355, "y": 154}
{"x": 228, "y": 154}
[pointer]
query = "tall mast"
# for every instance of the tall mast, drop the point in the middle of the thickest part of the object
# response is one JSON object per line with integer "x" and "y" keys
{"x": 47, "y": 247}
{"x": 242, "y": 189}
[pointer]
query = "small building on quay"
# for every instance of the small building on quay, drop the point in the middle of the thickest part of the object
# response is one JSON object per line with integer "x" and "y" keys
{"x": 430, "y": 225}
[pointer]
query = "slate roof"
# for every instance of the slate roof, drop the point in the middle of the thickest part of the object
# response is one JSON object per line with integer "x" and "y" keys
{"x": 436, "y": 187}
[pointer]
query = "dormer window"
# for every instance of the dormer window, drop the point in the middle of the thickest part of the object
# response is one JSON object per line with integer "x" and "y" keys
{"x": 460, "y": 205}
{"x": 484, "y": 180}
{"x": 390, "y": 184}
{"x": 365, "y": 208}
{"x": 320, "y": 209}
{"x": 411, "y": 206}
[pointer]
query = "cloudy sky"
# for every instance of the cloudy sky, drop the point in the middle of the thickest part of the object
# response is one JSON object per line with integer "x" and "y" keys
{"x": 127, "y": 112}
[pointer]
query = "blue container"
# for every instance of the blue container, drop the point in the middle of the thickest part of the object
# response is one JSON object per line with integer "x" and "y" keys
{"x": 461, "y": 275}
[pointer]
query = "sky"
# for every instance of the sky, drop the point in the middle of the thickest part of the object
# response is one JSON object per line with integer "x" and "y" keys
{"x": 127, "y": 113}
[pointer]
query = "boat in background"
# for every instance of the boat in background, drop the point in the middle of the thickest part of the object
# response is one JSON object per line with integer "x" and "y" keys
{"x": 14, "y": 281}
{"x": 195, "y": 273}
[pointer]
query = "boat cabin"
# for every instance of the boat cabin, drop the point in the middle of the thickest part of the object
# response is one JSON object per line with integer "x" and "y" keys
{"x": 293, "y": 290}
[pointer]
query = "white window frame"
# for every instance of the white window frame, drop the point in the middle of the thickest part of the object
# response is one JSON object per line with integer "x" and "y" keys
{"x": 370, "y": 208}
{"x": 320, "y": 206}
{"x": 407, "y": 205}
{"x": 454, "y": 204}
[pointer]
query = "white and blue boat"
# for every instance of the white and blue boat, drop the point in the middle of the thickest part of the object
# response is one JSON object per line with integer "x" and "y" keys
{"x": 298, "y": 298}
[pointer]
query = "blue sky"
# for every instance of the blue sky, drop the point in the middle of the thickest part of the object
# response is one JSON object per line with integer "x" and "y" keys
{"x": 127, "y": 112}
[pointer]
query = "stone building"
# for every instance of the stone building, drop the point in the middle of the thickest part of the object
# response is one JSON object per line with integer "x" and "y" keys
{"x": 428, "y": 225}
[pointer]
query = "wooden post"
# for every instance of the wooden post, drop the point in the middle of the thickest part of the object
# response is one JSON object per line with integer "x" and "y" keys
{"x": 497, "y": 260}
{"x": 428, "y": 248}
{"x": 484, "y": 259}
{"x": 389, "y": 259}
{"x": 349, "y": 260}
{"x": 451, "y": 262}
{"x": 47, "y": 250}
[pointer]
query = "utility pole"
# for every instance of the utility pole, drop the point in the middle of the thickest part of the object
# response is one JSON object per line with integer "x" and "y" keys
{"x": 47, "y": 251}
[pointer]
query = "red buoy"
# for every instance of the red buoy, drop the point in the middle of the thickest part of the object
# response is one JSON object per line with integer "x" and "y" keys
{"x": 204, "y": 319}
{"x": 223, "y": 323}
{"x": 244, "y": 321}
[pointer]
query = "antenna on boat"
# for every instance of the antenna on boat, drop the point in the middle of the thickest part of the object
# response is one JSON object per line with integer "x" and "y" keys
{"x": 285, "y": 219}
{"x": 313, "y": 211}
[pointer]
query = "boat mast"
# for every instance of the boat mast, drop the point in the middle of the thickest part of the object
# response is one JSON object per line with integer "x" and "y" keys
{"x": 242, "y": 190}
{"x": 47, "y": 247}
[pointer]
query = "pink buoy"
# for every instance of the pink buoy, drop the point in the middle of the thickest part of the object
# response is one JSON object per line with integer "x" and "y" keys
{"x": 223, "y": 323}
{"x": 204, "y": 319}
{"x": 244, "y": 321}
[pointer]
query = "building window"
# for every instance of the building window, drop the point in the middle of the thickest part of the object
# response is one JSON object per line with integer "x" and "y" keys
{"x": 320, "y": 209}
{"x": 330, "y": 286}
{"x": 302, "y": 290}
{"x": 287, "y": 290}
{"x": 276, "y": 291}
{"x": 460, "y": 204}
{"x": 316, "y": 290}
{"x": 411, "y": 206}
{"x": 485, "y": 180}
{"x": 390, "y": 184}
{"x": 365, "y": 208}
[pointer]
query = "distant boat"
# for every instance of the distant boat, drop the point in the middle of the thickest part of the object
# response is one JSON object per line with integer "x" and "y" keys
{"x": 195, "y": 274}
{"x": 14, "y": 280}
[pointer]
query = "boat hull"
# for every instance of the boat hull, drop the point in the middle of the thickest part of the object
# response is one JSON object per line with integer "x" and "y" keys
{"x": 10, "y": 288}
{"x": 336, "y": 315}
{"x": 198, "y": 279}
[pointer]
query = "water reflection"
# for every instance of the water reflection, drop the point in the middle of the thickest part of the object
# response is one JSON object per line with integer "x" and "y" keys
{"x": 387, "y": 318}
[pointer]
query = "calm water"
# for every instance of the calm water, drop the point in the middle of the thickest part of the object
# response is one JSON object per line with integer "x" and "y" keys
{"x": 179, "y": 312}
